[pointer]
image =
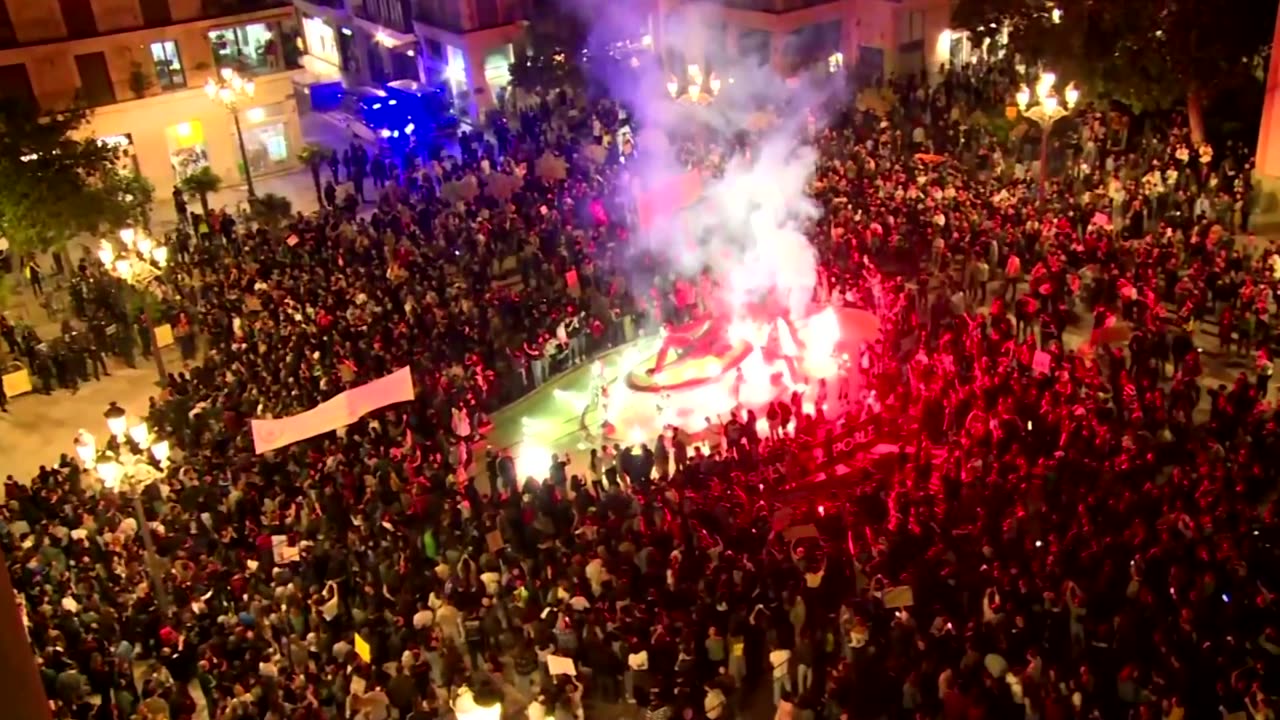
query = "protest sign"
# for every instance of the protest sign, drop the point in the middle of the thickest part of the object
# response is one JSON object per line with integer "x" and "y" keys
{"x": 1042, "y": 362}
{"x": 557, "y": 665}
{"x": 164, "y": 335}
{"x": 899, "y": 597}
{"x": 800, "y": 532}
{"x": 292, "y": 239}
{"x": 494, "y": 539}
{"x": 339, "y": 411}
{"x": 551, "y": 168}
{"x": 571, "y": 280}
{"x": 362, "y": 649}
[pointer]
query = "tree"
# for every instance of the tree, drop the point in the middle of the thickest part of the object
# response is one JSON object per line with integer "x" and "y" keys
{"x": 201, "y": 184}
{"x": 270, "y": 210}
{"x": 1148, "y": 55}
{"x": 313, "y": 157}
{"x": 58, "y": 182}
{"x": 139, "y": 81}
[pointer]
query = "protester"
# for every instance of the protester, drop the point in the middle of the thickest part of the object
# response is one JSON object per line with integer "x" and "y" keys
{"x": 1056, "y": 531}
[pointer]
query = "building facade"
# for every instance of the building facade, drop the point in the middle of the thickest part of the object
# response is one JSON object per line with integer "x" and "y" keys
{"x": 465, "y": 46}
{"x": 141, "y": 66}
{"x": 871, "y": 37}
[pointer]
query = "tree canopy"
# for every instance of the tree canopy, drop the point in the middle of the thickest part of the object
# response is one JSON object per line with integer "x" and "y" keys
{"x": 1148, "y": 55}
{"x": 59, "y": 183}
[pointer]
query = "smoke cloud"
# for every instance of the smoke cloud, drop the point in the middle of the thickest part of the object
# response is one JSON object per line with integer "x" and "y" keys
{"x": 749, "y": 227}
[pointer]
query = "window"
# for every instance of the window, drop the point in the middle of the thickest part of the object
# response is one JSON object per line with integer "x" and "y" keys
{"x": 169, "y": 74}
{"x": 251, "y": 49}
{"x": 7, "y": 35}
{"x": 95, "y": 79}
{"x": 15, "y": 84}
{"x": 78, "y": 17}
{"x": 156, "y": 13}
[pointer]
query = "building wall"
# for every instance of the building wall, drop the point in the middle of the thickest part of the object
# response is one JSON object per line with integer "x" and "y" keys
{"x": 883, "y": 25}
{"x": 149, "y": 123}
{"x": 149, "y": 120}
{"x": 115, "y": 15}
{"x": 36, "y": 20}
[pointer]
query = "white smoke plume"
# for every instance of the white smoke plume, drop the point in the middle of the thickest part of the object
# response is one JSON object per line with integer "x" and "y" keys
{"x": 749, "y": 226}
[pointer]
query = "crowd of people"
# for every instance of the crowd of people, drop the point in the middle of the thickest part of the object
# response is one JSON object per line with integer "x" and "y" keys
{"x": 1061, "y": 531}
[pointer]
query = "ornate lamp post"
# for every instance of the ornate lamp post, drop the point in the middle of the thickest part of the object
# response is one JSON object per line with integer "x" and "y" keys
{"x": 123, "y": 466}
{"x": 140, "y": 264}
{"x": 1046, "y": 112}
{"x": 229, "y": 89}
{"x": 696, "y": 87}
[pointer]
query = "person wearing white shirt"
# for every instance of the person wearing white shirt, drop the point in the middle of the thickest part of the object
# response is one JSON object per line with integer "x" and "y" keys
{"x": 424, "y": 618}
{"x": 637, "y": 664}
{"x": 780, "y": 660}
{"x": 713, "y": 704}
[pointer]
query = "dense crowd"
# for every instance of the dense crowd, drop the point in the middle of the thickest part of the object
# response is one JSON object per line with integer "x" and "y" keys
{"x": 1078, "y": 538}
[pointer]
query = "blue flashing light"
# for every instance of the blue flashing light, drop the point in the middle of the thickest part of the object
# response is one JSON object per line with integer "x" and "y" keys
{"x": 395, "y": 133}
{"x": 409, "y": 128}
{"x": 377, "y": 106}
{"x": 391, "y": 102}
{"x": 347, "y": 31}
{"x": 385, "y": 133}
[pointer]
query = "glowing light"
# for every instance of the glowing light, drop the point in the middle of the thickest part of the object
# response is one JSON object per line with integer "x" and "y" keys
{"x": 532, "y": 461}
{"x": 255, "y": 115}
{"x": 385, "y": 133}
{"x": 409, "y": 128}
{"x": 455, "y": 73}
{"x": 183, "y": 129}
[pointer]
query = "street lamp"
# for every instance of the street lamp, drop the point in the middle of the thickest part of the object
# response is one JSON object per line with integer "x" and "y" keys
{"x": 696, "y": 87}
{"x": 229, "y": 89}
{"x": 122, "y": 466}
{"x": 140, "y": 266}
{"x": 1046, "y": 112}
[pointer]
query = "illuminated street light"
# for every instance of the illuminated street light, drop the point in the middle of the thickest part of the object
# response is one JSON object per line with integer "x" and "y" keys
{"x": 122, "y": 466}
{"x": 229, "y": 89}
{"x": 139, "y": 265}
{"x": 1046, "y": 111}
{"x": 697, "y": 88}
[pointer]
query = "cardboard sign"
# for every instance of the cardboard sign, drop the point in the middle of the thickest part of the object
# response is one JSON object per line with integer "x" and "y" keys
{"x": 1042, "y": 362}
{"x": 494, "y": 540}
{"x": 163, "y": 335}
{"x": 292, "y": 240}
{"x": 557, "y": 665}
{"x": 362, "y": 649}
{"x": 278, "y": 543}
{"x": 899, "y": 597}
{"x": 800, "y": 532}
{"x": 571, "y": 280}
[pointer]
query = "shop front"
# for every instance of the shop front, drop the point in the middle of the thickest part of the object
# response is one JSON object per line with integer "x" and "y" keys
{"x": 169, "y": 137}
{"x": 266, "y": 138}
